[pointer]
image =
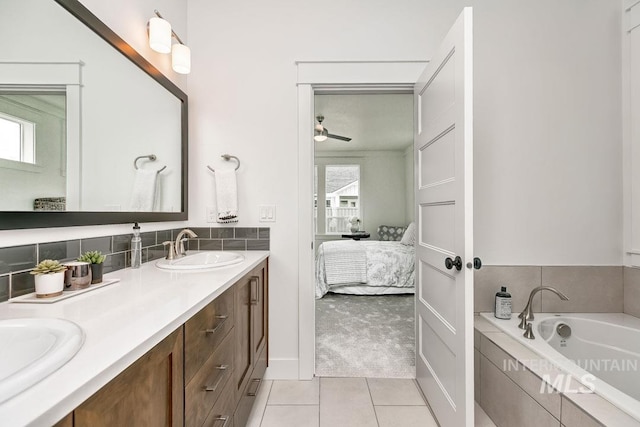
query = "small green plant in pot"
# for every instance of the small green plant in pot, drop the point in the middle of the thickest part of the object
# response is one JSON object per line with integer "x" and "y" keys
{"x": 49, "y": 278}
{"x": 95, "y": 258}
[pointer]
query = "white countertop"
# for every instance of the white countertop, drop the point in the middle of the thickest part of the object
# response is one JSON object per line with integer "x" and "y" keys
{"x": 121, "y": 322}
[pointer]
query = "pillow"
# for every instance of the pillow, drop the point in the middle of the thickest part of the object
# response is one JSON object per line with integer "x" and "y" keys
{"x": 409, "y": 236}
{"x": 390, "y": 232}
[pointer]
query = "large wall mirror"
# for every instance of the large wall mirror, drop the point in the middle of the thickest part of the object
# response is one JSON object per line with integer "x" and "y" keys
{"x": 90, "y": 132}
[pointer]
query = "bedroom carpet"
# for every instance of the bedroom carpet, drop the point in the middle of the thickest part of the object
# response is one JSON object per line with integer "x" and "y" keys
{"x": 365, "y": 336}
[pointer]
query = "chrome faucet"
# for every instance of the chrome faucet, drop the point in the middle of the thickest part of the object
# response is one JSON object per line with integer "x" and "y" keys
{"x": 527, "y": 313}
{"x": 179, "y": 245}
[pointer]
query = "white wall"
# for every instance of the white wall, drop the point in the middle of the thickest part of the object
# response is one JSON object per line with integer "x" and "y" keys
{"x": 548, "y": 182}
{"x": 547, "y": 119}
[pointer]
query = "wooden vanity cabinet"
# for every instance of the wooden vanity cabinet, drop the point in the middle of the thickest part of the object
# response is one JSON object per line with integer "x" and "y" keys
{"x": 147, "y": 393}
{"x": 251, "y": 339}
{"x": 206, "y": 373}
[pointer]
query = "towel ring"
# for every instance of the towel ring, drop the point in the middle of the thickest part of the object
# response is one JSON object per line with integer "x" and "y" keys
{"x": 151, "y": 157}
{"x": 227, "y": 157}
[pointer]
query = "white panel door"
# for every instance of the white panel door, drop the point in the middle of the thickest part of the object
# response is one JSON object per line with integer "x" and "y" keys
{"x": 444, "y": 213}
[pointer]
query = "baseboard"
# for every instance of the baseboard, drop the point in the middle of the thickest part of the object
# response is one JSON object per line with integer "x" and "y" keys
{"x": 282, "y": 369}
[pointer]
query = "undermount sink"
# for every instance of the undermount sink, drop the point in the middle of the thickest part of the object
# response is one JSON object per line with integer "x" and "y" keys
{"x": 201, "y": 261}
{"x": 33, "y": 348}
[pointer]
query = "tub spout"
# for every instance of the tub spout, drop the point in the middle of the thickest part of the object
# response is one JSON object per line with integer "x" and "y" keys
{"x": 527, "y": 313}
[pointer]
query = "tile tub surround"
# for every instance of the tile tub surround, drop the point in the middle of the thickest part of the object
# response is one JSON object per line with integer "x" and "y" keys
{"x": 17, "y": 261}
{"x": 510, "y": 377}
{"x": 591, "y": 289}
{"x": 632, "y": 291}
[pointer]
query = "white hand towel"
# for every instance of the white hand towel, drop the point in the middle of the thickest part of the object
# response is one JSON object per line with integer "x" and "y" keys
{"x": 145, "y": 188}
{"x": 227, "y": 196}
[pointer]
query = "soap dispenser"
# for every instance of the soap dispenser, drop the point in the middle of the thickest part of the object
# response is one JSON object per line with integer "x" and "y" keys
{"x": 502, "y": 308}
{"x": 136, "y": 247}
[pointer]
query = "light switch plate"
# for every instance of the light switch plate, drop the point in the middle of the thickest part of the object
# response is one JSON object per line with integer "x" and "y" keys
{"x": 211, "y": 214}
{"x": 267, "y": 213}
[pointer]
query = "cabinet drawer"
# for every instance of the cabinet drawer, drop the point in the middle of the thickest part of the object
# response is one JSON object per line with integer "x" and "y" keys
{"x": 203, "y": 390}
{"x": 248, "y": 396}
{"x": 222, "y": 413}
{"x": 205, "y": 331}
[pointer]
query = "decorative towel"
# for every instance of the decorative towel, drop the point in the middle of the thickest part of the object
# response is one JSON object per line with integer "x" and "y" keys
{"x": 345, "y": 261}
{"x": 145, "y": 190}
{"x": 227, "y": 196}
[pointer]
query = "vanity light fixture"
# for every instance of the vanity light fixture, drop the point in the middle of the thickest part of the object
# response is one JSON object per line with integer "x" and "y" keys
{"x": 160, "y": 35}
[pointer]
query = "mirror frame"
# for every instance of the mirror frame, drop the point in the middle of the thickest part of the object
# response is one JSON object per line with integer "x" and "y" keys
{"x": 11, "y": 220}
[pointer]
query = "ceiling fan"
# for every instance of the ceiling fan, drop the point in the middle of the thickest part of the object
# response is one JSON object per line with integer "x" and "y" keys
{"x": 321, "y": 133}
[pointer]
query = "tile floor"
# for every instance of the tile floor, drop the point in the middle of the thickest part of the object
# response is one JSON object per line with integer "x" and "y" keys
{"x": 344, "y": 402}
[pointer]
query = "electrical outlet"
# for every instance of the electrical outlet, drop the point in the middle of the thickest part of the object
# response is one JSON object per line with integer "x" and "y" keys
{"x": 267, "y": 213}
{"x": 211, "y": 214}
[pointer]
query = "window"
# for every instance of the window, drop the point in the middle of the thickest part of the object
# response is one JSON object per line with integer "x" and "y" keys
{"x": 17, "y": 139}
{"x": 339, "y": 186}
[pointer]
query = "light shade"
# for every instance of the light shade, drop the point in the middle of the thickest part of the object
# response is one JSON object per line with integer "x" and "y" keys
{"x": 320, "y": 133}
{"x": 181, "y": 59}
{"x": 159, "y": 35}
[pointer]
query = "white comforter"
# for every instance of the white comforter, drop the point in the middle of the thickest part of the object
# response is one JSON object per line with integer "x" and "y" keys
{"x": 388, "y": 265}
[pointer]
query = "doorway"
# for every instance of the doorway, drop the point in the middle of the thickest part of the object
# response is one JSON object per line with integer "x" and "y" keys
{"x": 363, "y": 183}
{"x": 321, "y": 77}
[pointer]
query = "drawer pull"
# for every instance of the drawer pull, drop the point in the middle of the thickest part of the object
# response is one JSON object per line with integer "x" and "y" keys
{"x": 224, "y": 418}
{"x": 222, "y": 369}
{"x": 223, "y": 319}
{"x": 256, "y": 381}
{"x": 254, "y": 285}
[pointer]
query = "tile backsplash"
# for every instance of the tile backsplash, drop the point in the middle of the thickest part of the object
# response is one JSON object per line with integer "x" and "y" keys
{"x": 17, "y": 261}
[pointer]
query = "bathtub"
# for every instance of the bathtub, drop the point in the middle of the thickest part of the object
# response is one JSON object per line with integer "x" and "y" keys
{"x": 601, "y": 351}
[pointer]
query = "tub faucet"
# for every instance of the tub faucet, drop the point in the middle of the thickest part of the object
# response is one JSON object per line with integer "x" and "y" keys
{"x": 179, "y": 245}
{"x": 527, "y": 313}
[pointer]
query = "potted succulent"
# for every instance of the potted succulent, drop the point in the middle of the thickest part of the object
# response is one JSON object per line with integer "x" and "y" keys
{"x": 49, "y": 278}
{"x": 95, "y": 258}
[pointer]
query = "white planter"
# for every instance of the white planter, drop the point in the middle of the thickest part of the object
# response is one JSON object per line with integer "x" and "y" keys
{"x": 49, "y": 285}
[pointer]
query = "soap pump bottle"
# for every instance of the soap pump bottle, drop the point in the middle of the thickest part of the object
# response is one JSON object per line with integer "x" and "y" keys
{"x": 136, "y": 247}
{"x": 502, "y": 309}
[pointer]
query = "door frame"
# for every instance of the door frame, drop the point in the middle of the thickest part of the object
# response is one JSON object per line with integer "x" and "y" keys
{"x": 326, "y": 77}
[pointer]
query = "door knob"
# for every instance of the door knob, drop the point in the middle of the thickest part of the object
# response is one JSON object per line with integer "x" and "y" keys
{"x": 450, "y": 263}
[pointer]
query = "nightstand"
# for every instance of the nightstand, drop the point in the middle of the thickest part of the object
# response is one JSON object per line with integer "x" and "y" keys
{"x": 357, "y": 235}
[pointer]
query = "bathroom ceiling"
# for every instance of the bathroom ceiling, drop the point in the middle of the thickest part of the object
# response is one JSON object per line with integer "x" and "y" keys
{"x": 374, "y": 121}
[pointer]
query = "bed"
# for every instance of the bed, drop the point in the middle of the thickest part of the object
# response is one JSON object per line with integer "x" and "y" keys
{"x": 377, "y": 267}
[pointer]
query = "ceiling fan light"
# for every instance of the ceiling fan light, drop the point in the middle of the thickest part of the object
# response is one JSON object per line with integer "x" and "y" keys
{"x": 320, "y": 135}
